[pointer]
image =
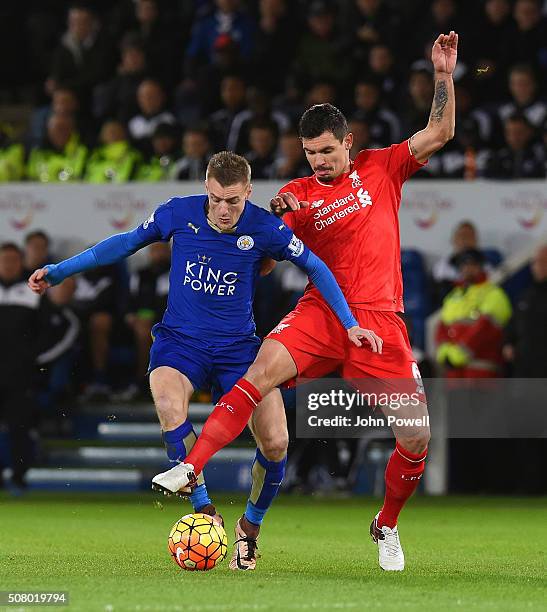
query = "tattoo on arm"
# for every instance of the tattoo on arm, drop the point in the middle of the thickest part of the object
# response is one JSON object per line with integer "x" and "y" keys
{"x": 439, "y": 101}
{"x": 413, "y": 149}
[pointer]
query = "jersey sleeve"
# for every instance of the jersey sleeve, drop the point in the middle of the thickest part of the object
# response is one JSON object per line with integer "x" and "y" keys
{"x": 398, "y": 161}
{"x": 159, "y": 225}
{"x": 284, "y": 245}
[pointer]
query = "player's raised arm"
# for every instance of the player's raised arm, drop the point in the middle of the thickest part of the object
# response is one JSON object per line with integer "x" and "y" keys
{"x": 440, "y": 128}
{"x": 157, "y": 227}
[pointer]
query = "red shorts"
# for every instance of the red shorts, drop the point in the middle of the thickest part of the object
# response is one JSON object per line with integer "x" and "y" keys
{"x": 319, "y": 344}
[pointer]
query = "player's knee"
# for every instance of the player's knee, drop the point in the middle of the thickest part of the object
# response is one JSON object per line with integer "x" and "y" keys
{"x": 258, "y": 374}
{"x": 274, "y": 448}
{"x": 416, "y": 443}
{"x": 169, "y": 411}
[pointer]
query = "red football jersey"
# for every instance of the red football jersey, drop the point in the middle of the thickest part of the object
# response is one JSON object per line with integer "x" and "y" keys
{"x": 352, "y": 224}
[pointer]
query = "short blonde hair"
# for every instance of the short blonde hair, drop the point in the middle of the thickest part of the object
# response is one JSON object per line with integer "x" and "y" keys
{"x": 228, "y": 168}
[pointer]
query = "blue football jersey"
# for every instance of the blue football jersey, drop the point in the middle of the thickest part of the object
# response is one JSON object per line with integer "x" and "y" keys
{"x": 213, "y": 274}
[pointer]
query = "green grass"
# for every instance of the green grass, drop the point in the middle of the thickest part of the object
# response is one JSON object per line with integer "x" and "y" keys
{"x": 110, "y": 553}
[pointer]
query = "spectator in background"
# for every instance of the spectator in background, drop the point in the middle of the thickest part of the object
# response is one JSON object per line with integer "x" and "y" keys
{"x": 490, "y": 43}
{"x": 159, "y": 41}
{"x": 96, "y": 303}
{"x": 443, "y": 17}
{"x": 64, "y": 101}
{"x": 384, "y": 127}
{"x": 56, "y": 359}
{"x": 445, "y": 271}
{"x": 319, "y": 54}
{"x": 118, "y": 96}
{"x": 233, "y": 90}
{"x": 23, "y": 319}
{"x": 529, "y": 35}
{"x": 526, "y": 351}
{"x": 523, "y": 87}
{"x": 522, "y": 157}
{"x": 382, "y": 69}
{"x": 165, "y": 152}
{"x": 226, "y": 19}
{"x": 321, "y": 92}
{"x": 259, "y": 110}
{"x": 263, "y": 143}
{"x": 526, "y": 336}
{"x": 415, "y": 112}
{"x": 370, "y": 22}
{"x": 36, "y": 254}
{"x": 466, "y": 155}
{"x": 84, "y": 55}
{"x": 196, "y": 154}
{"x": 62, "y": 157}
{"x": 290, "y": 162}
{"x": 470, "y": 332}
{"x": 151, "y": 100}
{"x": 275, "y": 44}
{"x": 361, "y": 136}
{"x": 148, "y": 289}
{"x": 12, "y": 156}
{"x": 114, "y": 160}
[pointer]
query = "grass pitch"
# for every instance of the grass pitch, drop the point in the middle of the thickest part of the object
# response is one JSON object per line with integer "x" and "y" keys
{"x": 110, "y": 553}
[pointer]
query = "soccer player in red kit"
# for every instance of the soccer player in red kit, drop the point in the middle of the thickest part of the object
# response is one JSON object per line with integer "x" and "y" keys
{"x": 347, "y": 213}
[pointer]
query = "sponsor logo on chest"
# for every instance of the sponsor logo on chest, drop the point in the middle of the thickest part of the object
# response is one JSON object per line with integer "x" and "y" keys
{"x": 201, "y": 276}
{"x": 328, "y": 213}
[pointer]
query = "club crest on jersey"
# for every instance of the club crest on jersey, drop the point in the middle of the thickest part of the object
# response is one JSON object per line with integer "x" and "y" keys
{"x": 317, "y": 203}
{"x": 355, "y": 180}
{"x": 245, "y": 243}
{"x": 364, "y": 198}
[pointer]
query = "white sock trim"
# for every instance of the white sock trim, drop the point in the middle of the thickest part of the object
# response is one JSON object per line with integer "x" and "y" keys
{"x": 247, "y": 394}
{"x": 408, "y": 458}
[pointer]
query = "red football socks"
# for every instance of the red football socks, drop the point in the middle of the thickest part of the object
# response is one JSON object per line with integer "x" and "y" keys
{"x": 403, "y": 473}
{"x": 225, "y": 423}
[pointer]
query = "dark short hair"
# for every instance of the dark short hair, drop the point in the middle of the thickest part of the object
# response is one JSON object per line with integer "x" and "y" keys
{"x": 10, "y": 246}
{"x": 37, "y": 234}
{"x": 228, "y": 168}
{"x": 322, "y": 118}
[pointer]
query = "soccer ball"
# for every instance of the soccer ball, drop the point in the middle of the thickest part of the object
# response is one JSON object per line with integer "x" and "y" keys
{"x": 197, "y": 543}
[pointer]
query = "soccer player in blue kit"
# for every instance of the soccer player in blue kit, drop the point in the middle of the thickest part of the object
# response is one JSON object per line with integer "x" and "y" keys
{"x": 207, "y": 335}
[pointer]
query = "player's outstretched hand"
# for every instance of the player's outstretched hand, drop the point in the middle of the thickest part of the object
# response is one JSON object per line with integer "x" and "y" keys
{"x": 444, "y": 53}
{"x": 356, "y": 334}
{"x": 37, "y": 281}
{"x": 283, "y": 202}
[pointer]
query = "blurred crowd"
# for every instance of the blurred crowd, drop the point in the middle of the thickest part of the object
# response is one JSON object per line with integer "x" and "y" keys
{"x": 149, "y": 89}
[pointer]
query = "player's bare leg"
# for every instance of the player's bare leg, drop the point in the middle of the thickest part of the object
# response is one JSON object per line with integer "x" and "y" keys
{"x": 269, "y": 426}
{"x": 403, "y": 474}
{"x": 272, "y": 366}
{"x": 172, "y": 391}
